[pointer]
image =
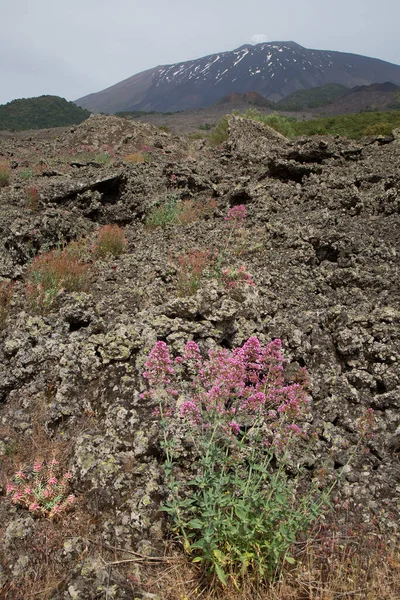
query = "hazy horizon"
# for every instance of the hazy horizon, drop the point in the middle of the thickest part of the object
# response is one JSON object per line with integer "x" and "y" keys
{"x": 75, "y": 49}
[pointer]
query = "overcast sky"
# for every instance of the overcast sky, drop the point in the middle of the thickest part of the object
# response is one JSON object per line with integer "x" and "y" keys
{"x": 71, "y": 48}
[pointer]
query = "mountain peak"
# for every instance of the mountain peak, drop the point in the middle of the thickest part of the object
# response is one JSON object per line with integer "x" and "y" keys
{"x": 272, "y": 69}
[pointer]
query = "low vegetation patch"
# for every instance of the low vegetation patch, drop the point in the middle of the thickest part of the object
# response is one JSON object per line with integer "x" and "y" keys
{"x": 353, "y": 126}
{"x": 32, "y": 195}
{"x": 110, "y": 240}
{"x": 53, "y": 272}
{"x": 191, "y": 268}
{"x": 197, "y": 264}
{"x": 90, "y": 154}
{"x": 42, "y": 489}
{"x": 220, "y": 133}
{"x": 175, "y": 211}
{"x": 5, "y": 174}
{"x": 136, "y": 158}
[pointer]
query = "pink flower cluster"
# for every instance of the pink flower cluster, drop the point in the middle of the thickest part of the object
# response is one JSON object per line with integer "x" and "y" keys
{"x": 41, "y": 490}
{"x": 227, "y": 385}
{"x": 236, "y": 215}
{"x": 232, "y": 277}
{"x": 366, "y": 424}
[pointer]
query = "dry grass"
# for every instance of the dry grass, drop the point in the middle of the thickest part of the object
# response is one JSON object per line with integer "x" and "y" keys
{"x": 191, "y": 267}
{"x": 39, "y": 445}
{"x": 364, "y": 573}
{"x": 179, "y": 212}
{"x": 32, "y": 195}
{"x": 5, "y": 175}
{"x": 135, "y": 158}
{"x": 51, "y": 273}
{"x": 110, "y": 240}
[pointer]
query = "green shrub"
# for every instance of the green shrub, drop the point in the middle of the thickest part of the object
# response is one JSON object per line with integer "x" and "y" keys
{"x": 220, "y": 133}
{"x": 283, "y": 125}
{"x": 26, "y": 174}
{"x": 164, "y": 213}
{"x": 206, "y": 126}
{"x": 196, "y": 135}
{"x": 380, "y": 128}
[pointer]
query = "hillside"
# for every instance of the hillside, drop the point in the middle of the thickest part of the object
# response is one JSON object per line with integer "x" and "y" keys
{"x": 40, "y": 113}
{"x": 252, "y": 98}
{"x": 273, "y": 70}
{"x": 374, "y": 97}
{"x": 312, "y": 98}
{"x": 278, "y": 260}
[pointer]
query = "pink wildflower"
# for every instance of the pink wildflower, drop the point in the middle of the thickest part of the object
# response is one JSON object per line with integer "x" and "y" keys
{"x": 71, "y": 499}
{"x": 34, "y": 506}
{"x": 366, "y": 424}
{"x": 37, "y": 466}
{"x": 192, "y": 351}
{"x": 52, "y": 481}
{"x": 68, "y": 475}
{"x": 9, "y": 488}
{"x": 158, "y": 365}
{"x": 235, "y": 427}
{"x": 295, "y": 428}
{"x": 254, "y": 402}
{"x": 237, "y": 215}
{"x": 20, "y": 475}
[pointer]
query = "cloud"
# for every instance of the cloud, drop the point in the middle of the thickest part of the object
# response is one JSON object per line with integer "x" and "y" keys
{"x": 258, "y": 38}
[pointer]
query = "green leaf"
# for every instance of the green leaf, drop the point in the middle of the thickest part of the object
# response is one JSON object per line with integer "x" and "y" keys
{"x": 220, "y": 574}
{"x": 240, "y": 512}
{"x": 195, "y": 524}
{"x": 186, "y": 503}
{"x": 290, "y": 560}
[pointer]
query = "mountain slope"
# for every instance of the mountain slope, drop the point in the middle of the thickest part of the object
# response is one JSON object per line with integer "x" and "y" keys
{"x": 274, "y": 70}
{"x": 378, "y": 96}
{"x": 40, "y": 113}
{"x": 313, "y": 97}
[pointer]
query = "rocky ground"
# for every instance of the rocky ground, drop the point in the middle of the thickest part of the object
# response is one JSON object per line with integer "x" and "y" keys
{"x": 321, "y": 242}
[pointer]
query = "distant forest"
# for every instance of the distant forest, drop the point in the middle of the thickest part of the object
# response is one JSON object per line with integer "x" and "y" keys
{"x": 40, "y": 113}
